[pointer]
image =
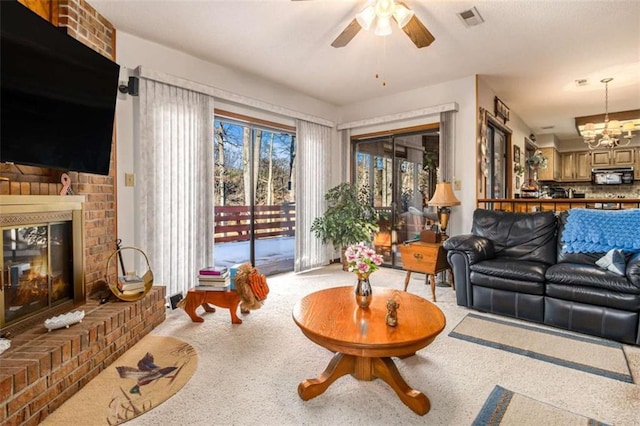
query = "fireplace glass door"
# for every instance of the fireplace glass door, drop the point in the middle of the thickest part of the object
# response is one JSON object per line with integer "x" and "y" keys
{"x": 37, "y": 269}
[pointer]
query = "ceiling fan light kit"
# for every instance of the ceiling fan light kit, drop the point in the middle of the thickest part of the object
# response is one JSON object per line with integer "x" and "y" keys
{"x": 381, "y": 12}
{"x": 366, "y": 17}
{"x": 383, "y": 27}
{"x": 377, "y": 15}
{"x": 402, "y": 15}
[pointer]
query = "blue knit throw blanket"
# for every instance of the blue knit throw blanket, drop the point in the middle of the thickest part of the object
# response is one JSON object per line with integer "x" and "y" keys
{"x": 598, "y": 231}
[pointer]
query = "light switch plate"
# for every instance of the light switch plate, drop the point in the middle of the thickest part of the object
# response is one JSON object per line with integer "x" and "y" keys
{"x": 457, "y": 185}
{"x": 129, "y": 179}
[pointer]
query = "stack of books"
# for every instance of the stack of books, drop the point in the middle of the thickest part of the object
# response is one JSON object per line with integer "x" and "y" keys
{"x": 130, "y": 284}
{"x": 214, "y": 278}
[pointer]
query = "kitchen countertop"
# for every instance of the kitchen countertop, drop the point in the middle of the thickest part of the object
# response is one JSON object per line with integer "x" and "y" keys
{"x": 560, "y": 200}
{"x": 556, "y": 204}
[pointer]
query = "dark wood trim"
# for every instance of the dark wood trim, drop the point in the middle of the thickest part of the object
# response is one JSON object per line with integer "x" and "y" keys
{"x": 599, "y": 118}
{"x": 496, "y": 122}
{"x": 622, "y": 115}
{"x": 42, "y": 8}
{"x": 252, "y": 120}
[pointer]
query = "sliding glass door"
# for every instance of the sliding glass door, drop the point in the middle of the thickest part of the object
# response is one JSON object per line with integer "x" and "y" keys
{"x": 254, "y": 196}
{"x": 497, "y": 163}
{"x": 397, "y": 174}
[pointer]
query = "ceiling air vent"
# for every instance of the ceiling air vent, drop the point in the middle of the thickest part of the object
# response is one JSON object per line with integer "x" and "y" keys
{"x": 582, "y": 82}
{"x": 471, "y": 17}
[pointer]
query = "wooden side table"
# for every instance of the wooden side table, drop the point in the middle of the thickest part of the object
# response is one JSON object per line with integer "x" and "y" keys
{"x": 428, "y": 258}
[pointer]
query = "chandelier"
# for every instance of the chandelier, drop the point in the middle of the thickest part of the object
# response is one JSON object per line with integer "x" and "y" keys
{"x": 607, "y": 135}
{"x": 381, "y": 12}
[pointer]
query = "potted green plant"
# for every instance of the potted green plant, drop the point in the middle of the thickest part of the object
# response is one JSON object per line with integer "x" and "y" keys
{"x": 349, "y": 218}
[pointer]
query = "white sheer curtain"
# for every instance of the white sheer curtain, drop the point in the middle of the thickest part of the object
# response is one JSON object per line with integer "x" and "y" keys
{"x": 312, "y": 182}
{"x": 174, "y": 188}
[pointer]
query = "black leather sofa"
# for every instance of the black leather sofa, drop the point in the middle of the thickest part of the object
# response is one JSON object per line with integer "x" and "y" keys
{"x": 513, "y": 264}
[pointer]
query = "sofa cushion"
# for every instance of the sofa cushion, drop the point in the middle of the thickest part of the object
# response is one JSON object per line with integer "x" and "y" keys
{"x": 577, "y": 274}
{"x": 522, "y": 270}
{"x": 519, "y": 236}
{"x": 507, "y": 284}
{"x": 505, "y": 274}
{"x": 613, "y": 261}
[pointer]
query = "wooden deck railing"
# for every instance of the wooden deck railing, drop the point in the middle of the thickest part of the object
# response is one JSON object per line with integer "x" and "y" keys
{"x": 233, "y": 223}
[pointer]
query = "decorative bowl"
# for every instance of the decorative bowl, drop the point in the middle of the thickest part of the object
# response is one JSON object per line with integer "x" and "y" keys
{"x": 64, "y": 320}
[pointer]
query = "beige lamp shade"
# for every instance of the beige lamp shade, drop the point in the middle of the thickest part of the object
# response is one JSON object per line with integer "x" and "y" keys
{"x": 614, "y": 127}
{"x": 444, "y": 196}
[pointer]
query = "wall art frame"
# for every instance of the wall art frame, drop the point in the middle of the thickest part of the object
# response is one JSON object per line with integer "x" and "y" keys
{"x": 501, "y": 110}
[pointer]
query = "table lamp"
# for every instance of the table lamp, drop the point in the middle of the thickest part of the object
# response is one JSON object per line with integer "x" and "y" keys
{"x": 443, "y": 198}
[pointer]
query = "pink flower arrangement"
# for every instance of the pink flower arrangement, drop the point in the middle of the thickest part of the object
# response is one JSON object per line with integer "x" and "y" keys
{"x": 362, "y": 259}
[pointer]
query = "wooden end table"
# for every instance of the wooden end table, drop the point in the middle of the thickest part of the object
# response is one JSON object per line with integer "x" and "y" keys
{"x": 428, "y": 258}
{"x": 362, "y": 341}
{"x": 203, "y": 297}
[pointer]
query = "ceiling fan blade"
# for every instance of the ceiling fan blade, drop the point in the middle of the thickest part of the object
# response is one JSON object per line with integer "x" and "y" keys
{"x": 418, "y": 33}
{"x": 347, "y": 34}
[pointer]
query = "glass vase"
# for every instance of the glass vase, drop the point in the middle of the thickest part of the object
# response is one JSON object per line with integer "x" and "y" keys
{"x": 363, "y": 291}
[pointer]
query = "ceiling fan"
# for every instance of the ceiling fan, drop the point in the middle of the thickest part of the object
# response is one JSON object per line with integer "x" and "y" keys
{"x": 382, "y": 12}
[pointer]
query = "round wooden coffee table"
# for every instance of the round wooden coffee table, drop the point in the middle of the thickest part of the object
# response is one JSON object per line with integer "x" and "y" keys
{"x": 362, "y": 341}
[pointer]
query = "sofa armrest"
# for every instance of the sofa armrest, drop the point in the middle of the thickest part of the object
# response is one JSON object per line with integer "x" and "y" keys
{"x": 474, "y": 247}
{"x": 633, "y": 270}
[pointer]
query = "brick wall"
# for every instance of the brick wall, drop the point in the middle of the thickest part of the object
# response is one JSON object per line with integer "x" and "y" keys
{"x": 85, "y": 24}
{"x": 43, "y": 369}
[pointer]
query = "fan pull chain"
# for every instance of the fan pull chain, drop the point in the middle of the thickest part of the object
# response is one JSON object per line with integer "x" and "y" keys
{"x": 384, "y": 57}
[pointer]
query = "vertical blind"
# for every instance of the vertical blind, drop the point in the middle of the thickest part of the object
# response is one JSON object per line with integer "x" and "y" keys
{"x": 312, "y": 182}
{"x": 173, "y": 162}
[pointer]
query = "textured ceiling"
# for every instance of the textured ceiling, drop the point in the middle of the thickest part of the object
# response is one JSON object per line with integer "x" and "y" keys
{"x": 529, "y": 52}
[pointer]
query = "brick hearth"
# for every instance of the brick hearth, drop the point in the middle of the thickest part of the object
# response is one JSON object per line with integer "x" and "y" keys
{"x": 43, "y": 369}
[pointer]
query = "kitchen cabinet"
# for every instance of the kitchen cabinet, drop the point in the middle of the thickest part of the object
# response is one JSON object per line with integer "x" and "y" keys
{"x": 623, "y": 157}
{"x": 600, "y": 158}
{"x": 575, "y": 166}
{"x": 614, "y": 157}
{"x": 552, "y": 172}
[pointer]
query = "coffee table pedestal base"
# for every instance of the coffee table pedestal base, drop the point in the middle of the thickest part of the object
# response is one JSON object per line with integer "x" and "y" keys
{"x": 363, "y": 368}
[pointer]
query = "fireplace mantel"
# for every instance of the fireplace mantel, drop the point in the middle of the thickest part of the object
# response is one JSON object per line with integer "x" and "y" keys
{"x": 10, "y": 204}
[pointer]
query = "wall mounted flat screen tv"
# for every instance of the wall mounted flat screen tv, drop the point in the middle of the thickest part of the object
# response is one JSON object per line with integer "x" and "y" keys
{"x": 57, "y": 97}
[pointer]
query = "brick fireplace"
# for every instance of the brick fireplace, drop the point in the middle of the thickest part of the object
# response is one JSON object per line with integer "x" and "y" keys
{"x": 43, "y": 369}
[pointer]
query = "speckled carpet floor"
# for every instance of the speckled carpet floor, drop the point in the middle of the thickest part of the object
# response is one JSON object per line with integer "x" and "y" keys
{"x": 248, "y": 374}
